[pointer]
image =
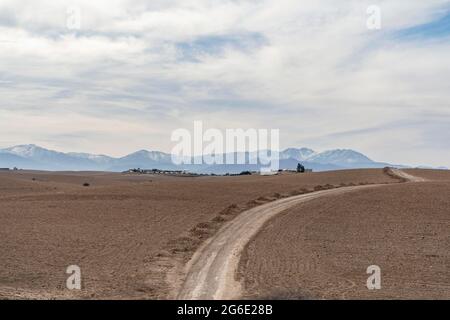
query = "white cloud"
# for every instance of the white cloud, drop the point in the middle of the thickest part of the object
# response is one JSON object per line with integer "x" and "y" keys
{"x": 137, "y": 70}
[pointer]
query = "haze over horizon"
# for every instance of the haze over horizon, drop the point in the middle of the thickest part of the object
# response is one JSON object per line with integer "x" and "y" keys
{"x": 135, "y": 71}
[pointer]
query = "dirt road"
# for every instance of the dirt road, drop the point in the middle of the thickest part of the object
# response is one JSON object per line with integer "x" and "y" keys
{"x": 211, "y": 271}
{"x": 407, "y": 176}
{"x": 127, "y": 232}
{"x": 321, "y": 249}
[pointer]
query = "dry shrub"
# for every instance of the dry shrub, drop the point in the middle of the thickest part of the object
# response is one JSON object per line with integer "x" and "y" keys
{"x": 203, "y": 225}
{"x": 219, "y": 219}
{"x": 200, "y": 232}
{"x": 184, "y": 244}
{"x": 229, "y": 210}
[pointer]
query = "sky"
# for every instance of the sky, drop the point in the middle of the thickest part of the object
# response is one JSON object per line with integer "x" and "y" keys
{"x": 127, "y": 73}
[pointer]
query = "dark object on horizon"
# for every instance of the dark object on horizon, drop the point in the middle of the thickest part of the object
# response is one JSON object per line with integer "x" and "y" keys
{"x": 86, "y": 184}
{"x": 245, "y": 173}
{"x": 4, "y": 169}
{"x": 300, "y": 168}
{"x": 157, "y": 171}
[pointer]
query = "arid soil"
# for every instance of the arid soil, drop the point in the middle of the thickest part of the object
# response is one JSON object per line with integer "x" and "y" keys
{"x": 321, "y": 249}
{"x": 126, "y": 232}
{"x": 436, "y": 175}
{"x": 211, "y": 272}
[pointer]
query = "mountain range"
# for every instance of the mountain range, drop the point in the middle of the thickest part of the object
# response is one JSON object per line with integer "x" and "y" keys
{"x": 38, "y": 158}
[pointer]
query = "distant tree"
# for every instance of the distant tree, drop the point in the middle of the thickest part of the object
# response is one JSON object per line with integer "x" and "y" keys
{"x": 300, "y": 168}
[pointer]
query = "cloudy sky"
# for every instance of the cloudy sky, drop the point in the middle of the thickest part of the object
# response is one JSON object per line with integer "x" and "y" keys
{"x": 137, "y": 70}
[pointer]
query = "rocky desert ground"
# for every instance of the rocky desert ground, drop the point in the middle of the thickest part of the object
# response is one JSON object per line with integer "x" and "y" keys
{"x": 132, "y": 235}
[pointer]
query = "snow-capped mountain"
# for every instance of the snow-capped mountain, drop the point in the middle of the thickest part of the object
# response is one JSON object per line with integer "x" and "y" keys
{"x": 98, "y": 158}
{"x": 144, "y": 155}
{"x": 41, "y": 158}
{"x": 29, "y": 151}
{"x": 143, "y": 159}
{"x": 35, "y": 157}
{"x": 339, "y": 157}
{"x": 301, "y": 154}
{"x": 10, "y": 160}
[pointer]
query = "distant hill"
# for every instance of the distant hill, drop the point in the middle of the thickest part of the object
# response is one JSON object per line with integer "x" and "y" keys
{"x": 38, "y": 158}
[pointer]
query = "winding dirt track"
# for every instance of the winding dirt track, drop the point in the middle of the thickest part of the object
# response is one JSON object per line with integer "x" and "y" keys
{"x": 407, "y": 176}
{"x": 211, "y": 272}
